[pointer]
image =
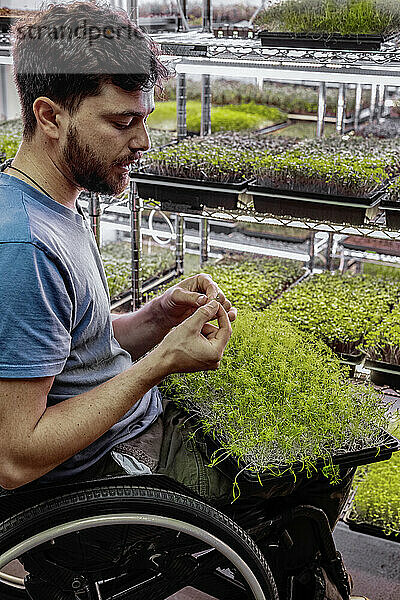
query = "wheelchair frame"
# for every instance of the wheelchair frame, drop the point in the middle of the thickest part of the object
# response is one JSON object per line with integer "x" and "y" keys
{"x": 223, "y": 560}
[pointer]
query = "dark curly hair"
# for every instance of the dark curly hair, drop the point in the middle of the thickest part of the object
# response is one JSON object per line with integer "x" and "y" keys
{"x": 67, "y": 52}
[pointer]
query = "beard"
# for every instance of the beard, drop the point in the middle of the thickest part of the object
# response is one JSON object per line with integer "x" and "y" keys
{"x": 88, "y": 170}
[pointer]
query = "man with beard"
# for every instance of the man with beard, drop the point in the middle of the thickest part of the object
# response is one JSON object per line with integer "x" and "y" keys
{"x": 78, "y": 390}
{"x": 75, "y": 385}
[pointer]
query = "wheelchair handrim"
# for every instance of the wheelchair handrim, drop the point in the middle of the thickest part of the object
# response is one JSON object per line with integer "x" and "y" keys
{"x": 136, "y": 519}
{"x": 10, "y": 580}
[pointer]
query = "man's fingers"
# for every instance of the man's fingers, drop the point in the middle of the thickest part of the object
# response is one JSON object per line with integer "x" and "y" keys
{"x": 232, "y": 313}
{"x": 209, "y": 330}
{"x": 205, "y": 313}
{"x": 206, "y": 285}
{"x": 182, "y": 296}
{"x": 224, "y": 326}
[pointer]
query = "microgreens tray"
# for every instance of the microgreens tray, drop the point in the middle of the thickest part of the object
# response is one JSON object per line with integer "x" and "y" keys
{"x": 392, "y": 211}
{"x": 323, "y": 41}
{"x": 337, "y": 209}
{"x": 188, "y": 193}
{"x": 383, "y": 373}
{"x": 355, "y": 525}
{"x": 237, "y": 469}
{"x": 351, "y": 360}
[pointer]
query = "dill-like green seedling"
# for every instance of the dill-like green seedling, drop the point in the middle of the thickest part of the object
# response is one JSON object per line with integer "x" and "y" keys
{"x": 279, "y": 398}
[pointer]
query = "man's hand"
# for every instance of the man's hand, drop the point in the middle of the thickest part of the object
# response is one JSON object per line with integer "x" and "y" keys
{"x": 184, "y": 298}
{"x": 195, "y": 344}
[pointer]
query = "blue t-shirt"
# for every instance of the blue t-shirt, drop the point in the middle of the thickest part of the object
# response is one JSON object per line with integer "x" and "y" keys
{"x": 55, "y": 312}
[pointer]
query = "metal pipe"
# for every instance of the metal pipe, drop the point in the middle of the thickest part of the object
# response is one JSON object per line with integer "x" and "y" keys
{"x": 207, "y": 16}
{"x": 134, "y": 10}
{"x": 182, "y": 20}
{"x": 357, "y": 109}
{"x": 312, "y": 250}
{"x": 341, "y": 108}
{"x": 180, "y": 248}
{"x": 135, "y": 205}
{"x": 181, "y": 106}
{"x": 329, "y": 253}
{"x": 203, "y": 241}
{"x": 381, "y": 102}
{"x": 372, "y": 107}
{"x": 205, "y": 125}
{"x": 3, "y": 74}
{"x": 94, "y": 214}
{"x": 321, "y": 109}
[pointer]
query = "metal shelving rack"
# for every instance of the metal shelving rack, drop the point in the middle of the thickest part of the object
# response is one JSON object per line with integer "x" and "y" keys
{"x": 200, "y": 52}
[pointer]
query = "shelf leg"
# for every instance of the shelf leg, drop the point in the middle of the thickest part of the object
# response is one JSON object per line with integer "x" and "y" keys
{"x": 205, "y": 125}
{"x": 179, "y": 248}
{"x": 136, "y": 208}
{"x": 182, "y": 8}
{"x": 329, "y": 250}
{"x": 181, "y": 106}
{"x": 381, "y": 102}
{"x": 312, "y": 251}
{"x": 372, "y": 108}
{"x": 134, "y": 10}
{"x": 203, "y": 241}
{"x": 342, "y": 263}
{"x": 357, "y": 109}
{"x": 321, "y": 109}
{"x": 207, "y": 16}
{"x": 94, "y": 214}
{"x": 341, "y": 108}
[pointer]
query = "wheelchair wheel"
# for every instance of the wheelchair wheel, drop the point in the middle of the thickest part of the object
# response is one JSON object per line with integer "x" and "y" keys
{"x": 118, "y": 541}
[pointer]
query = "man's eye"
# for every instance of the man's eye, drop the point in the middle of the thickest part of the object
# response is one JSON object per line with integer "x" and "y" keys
{"x": 121, "y": 125}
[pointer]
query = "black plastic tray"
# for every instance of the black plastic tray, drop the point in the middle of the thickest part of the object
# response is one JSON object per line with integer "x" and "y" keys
{"x": 337, "y": 209}
{"x": 383, "y": 373}
{"x": 188, "y": 193}
{"x": 233, "y": 467}
{"x": 322, "y": 41}
{"x": 392, "y": 211}
{"x": 351, "y": 360}
{"x": 369, "y": 529}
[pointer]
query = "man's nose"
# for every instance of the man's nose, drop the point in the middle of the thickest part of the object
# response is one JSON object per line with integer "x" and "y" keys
{"x": 140, "y": 140}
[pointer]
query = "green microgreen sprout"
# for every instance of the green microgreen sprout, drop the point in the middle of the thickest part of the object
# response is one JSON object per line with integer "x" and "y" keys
{"x": 346, "y": 17}
{"x": 377, "y": 498}
{"x": 341, "y": 310}
{"x": 116, "y": 257}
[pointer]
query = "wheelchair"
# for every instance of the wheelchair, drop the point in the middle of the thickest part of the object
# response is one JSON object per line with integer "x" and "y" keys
{"x": 148, "y": 537}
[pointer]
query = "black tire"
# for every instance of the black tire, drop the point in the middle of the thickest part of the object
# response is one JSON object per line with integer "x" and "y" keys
{"x": 125, "y": 500}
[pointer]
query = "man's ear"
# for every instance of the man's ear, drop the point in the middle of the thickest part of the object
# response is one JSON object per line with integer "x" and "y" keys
{"x": 48, "y": 115}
